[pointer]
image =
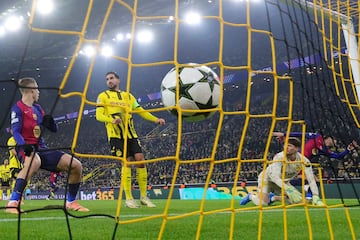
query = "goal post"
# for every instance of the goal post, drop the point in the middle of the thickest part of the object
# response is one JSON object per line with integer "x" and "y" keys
{"x": 348, "y": 31}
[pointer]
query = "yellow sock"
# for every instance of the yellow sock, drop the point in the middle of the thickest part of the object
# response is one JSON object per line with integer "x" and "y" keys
{"x": 12, "y": 185}
{"x": 141, "y": 176}
{"x": 8, "y": 193}
{"x": 1, "y": 194}
{"x": 126, "y": 181}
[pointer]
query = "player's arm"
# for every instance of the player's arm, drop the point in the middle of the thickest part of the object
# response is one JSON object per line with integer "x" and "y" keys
{"x": 100, "y": 114}
{"x": 49, "y": 122}
{"x": 16, "y": 125}
{"x": 308, "y": 135}
{"x": 11, "y": 146}
{"x": 334, "y": 154}
{"x": 150, "y": 117}
{"x": 309, "y": 174}
{"x": 275, "y": 173}
{"x": 145, "y": 114}
{"x": 342, "y": 154}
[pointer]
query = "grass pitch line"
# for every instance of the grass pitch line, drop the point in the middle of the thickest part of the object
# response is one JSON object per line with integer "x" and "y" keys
{"x": 147, "y": 215}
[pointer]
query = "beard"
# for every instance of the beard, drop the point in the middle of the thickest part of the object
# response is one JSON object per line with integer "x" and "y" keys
{"x": 112, "y": 87}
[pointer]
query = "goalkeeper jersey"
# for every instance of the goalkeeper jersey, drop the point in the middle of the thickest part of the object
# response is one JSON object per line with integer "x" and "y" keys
{"x": 273, "y": 172}
{"x": 113, "y": 104}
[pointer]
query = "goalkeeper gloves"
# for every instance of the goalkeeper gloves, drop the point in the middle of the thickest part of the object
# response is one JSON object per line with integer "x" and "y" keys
{"x": 317, "y": 201}
{"x": 293, "y": 194}
{"x": 48, "y": 121}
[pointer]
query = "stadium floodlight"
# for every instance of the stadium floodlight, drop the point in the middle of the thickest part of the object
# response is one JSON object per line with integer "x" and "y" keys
{"x": 2, "y": 31}
{"x": 45, "y": 6}
{"x": 193, "y": 18}
{"x": 106, "y": 51}
{"x": 119, "y": 36}
{"x": 128, "y": 35}
{"x": 12, "y": 23}
{"x": 89, "y": 51}
{"x": 170, "y": 19}
{"x": 145, "y": 36}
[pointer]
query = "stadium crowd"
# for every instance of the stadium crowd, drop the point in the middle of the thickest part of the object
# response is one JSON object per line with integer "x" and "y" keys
{"x": 197, "y": 142}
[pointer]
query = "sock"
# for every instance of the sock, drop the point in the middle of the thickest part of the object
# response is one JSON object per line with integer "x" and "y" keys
{"x": 19, "y": 187}
{"x": 1, "y": 194}
{"x": 12, "y": 185}
{"x": 141, "y": 176}
{"x": 73, "y": 190}
{"x": 126, "y": 181}
{"x": 8, "y": 193}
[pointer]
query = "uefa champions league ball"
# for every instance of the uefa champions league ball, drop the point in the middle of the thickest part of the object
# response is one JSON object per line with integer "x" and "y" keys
{"x": 199, "y": 89}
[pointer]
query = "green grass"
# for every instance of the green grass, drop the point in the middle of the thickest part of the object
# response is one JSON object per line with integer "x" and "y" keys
{"x": 141, "y": 224}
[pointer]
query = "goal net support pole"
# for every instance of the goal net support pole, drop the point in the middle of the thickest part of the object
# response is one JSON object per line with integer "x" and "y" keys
{"x": 349, "y": 36}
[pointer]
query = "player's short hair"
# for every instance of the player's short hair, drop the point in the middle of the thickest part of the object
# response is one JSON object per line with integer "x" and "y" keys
{"x": 328, "y": 136}
{"x": 24, "y": 83}
{"x": 114, "y": 73}
{"x": 294, "y": 141}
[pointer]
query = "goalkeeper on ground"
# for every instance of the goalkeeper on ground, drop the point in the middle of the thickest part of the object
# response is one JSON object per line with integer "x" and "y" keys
{"x": 271, "y": 179}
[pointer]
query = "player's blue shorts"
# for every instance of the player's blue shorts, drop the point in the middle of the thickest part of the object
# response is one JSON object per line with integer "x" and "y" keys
{"x": 50, "y": 159}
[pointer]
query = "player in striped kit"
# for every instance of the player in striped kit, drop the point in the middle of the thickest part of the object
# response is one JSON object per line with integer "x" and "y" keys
{"x": 27, "y": 121}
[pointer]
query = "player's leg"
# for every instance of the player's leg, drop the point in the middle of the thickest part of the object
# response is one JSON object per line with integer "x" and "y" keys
{"x": 74, "y": 167}
{"x": 31, "y": 165}
{"x": 141, "y": 173}
{"x": 117, "y": 148}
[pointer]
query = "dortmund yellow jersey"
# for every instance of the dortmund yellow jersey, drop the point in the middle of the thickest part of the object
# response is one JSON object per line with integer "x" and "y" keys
{"x": 5, "y": 173}
{"x": 13, "y": 161}
{"x": 112, "y": 104}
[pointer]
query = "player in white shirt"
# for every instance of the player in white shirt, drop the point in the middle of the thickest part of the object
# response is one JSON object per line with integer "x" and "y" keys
{"x": 271, "y": 179}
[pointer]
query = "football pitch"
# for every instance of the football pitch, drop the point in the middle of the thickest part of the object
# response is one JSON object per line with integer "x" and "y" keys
{"x": 181, "y": 221}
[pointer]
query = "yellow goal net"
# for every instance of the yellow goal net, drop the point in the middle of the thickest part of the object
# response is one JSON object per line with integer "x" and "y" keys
{"x": 285, "y": 67}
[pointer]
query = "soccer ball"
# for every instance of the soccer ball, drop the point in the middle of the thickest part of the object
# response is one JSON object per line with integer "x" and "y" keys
{"x": 199, "y": 88}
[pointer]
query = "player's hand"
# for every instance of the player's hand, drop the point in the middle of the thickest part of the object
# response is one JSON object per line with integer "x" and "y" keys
{"x": 116, "y": 121}
{"x": 160, "y": 121}
{"x": 293, "y": 194}
{"x": 279, "y": 136}
{"x": 317, "y": 201}
{"x": 48, "y": 121}
{"x": 28, "y": 150}
{"x": 352, "y": 146}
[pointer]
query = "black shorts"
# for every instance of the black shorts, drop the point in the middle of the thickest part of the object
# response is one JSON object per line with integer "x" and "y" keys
{"x": 15, "y": 172}
{"x": 5, "y": 183}
{"x": 117, "y": 147}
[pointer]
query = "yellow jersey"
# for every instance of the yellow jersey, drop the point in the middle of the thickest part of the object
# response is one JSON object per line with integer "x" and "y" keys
{"x": 5, "y": 173}
{"x": 13, "y": 160}
{"x": 113, "y": 104}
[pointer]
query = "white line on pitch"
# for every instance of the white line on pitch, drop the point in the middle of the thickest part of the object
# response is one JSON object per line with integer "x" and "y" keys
{"x": 147, "y": 215}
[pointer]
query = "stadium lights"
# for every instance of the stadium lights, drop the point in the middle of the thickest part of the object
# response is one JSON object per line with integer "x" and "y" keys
{"x": 192, "y": 18}
{"x": 45, "y": 6}
{"x": 2, "y": 31}
{"x": 120, "y": 36}
{"x": 89, "y": 51}
{"x": 145, "y": 36}
{"x": 13, "y": 23}
{"x": 106, "y": 51}
{"x": 170, "y": 19}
